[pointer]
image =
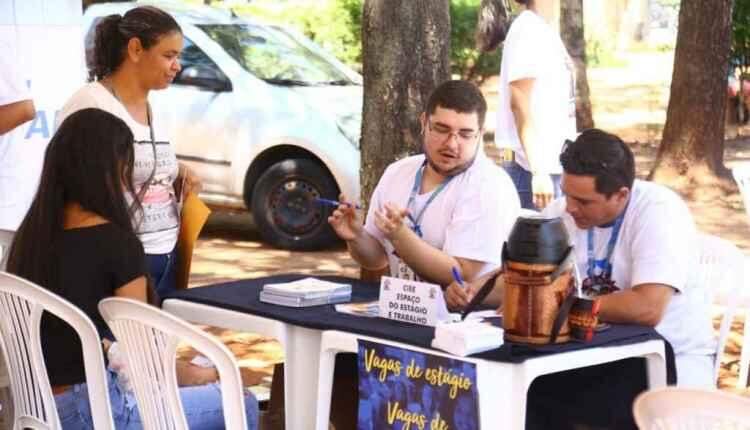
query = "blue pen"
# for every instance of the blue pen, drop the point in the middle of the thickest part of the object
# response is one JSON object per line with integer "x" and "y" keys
{"x": 334, "y": 203}
{"x": 457, "y": 277}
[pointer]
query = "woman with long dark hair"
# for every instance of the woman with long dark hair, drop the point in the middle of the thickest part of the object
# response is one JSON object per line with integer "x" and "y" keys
{"x": 134, "y": 54}
{"x": 77, "y": 240}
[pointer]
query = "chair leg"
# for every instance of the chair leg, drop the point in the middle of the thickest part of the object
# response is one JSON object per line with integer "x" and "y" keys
{"x": 742, "y": 381}
{"x": 6, "y": 413}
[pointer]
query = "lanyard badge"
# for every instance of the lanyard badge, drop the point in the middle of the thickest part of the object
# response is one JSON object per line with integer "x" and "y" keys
{"x": 597, "y": 284}
{"x": 416, "y": 221}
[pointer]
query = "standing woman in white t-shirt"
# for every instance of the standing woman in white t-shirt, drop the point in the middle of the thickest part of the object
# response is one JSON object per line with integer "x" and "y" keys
{"x": 536, "y": 110}
{"x": 134, "y": 54}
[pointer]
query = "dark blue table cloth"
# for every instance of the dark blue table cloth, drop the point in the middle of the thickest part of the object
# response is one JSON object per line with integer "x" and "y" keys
{"x": 242, "y": 296}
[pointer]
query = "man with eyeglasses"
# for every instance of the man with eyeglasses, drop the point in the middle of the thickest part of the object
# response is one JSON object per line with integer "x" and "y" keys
{"x": 634, "y": 247}
{"x": 449, "y": 207}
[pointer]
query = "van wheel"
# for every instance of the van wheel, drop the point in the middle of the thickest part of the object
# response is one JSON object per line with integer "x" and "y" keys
{"x": 284, "y": 206}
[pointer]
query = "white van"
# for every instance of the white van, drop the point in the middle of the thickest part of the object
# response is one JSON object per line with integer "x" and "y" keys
{"x": 266, "y": 119}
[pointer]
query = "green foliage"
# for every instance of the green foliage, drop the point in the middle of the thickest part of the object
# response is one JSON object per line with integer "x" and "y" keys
{"x": 466, "y": 60}
{"x": 601, "y": 53}
{"x": 334, "y": 24}
{"x": 740, "y": 56}
{"x": 337, "y": 26}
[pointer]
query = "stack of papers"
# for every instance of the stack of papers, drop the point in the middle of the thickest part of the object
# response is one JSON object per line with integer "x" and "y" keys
{"x": 467, "y": 337}
{"x": 306, "y": 292}
{"x": 362, "y": 309}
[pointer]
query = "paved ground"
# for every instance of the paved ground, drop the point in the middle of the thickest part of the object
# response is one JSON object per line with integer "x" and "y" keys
{"x": 629, "y": 101}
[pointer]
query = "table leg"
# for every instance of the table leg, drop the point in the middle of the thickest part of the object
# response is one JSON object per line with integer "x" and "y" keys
{"x": 500, "y": 405}
{"x": 657, "y": 370}
{"x": 326, "y": 368}
{"x": 301, "y": 356}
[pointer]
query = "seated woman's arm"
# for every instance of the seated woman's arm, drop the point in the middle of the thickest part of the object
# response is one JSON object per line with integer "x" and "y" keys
{"x": 135, "y": 289}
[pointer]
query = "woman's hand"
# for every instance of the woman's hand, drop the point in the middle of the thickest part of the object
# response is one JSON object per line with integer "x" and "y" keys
{"x": 188, "y": 182}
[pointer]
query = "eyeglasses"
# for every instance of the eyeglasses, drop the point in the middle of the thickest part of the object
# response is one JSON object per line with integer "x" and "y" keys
{"x": 443, "y": 133}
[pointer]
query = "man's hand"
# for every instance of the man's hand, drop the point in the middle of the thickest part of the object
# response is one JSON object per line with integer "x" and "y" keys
{"x": 457, "y": 297}
{"x": 390, "y": 220}
{"x": 345, "y": 220}
{"x": 543, "y": 189}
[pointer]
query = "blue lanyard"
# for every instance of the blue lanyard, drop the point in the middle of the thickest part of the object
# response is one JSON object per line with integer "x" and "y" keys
{"x": 607, "y": 266}
{"x": 417, "y": 220}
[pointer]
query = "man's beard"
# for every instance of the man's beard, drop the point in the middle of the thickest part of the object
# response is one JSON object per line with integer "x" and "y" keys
{"x": 450, "y": 172}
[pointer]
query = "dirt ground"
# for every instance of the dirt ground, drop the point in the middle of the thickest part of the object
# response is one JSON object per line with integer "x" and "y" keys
{"x": 629, "y": 101}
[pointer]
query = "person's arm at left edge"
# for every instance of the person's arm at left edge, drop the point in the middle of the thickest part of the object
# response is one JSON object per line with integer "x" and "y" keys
{"x": 428, "y": 262}
{"x": 14, "y": 114}
{"x": 16, "y": 106}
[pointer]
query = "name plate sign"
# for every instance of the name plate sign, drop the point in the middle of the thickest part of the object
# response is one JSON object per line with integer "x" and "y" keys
{"x": 411, "y": 301}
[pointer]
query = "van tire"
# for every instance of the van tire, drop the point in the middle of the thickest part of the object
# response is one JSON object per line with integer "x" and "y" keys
{"x": 284, "y": 206}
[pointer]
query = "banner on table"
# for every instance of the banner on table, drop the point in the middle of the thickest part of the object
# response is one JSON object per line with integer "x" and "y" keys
{"x": 401, "y": 389}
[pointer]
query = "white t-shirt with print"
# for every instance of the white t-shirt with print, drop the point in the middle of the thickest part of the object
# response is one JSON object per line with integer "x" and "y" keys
{"x": 470, "y": 218}
{"x": 17, "y": 187}
{"x": 656, "y": 244}
{"x": 533, "y": 49}
{"x": 158, "y": 225}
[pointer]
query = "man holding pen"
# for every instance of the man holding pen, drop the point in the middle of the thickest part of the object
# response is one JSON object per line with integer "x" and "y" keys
{"x": 448, "y": 208}
{"x": 634, "y": 244}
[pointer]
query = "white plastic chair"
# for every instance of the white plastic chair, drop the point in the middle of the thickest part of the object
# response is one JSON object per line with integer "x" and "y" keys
{"x": 21, "y": 306}
{"x": 674, "y": 408}
{"x": 720, "y": 277}
{"x": 6, "y": 238}
{"x": 741, "y": 173}
{"x": 149, "y": 337}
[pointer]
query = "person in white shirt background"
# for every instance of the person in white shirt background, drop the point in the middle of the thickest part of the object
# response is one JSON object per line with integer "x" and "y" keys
{"x": 16, "y": 108}
{"x": 536, "y": 107}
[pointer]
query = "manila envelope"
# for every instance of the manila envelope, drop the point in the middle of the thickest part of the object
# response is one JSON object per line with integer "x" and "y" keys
{"x": 193, "y": 217}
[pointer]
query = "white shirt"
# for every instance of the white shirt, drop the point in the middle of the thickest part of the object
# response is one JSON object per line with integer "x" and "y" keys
{"x": 656, "y": 244}
{"x": 470, "y": 218}
{"x": 158, "y": 225}
{"x": 17, "y": 184}
{"x": 533, "y": 49}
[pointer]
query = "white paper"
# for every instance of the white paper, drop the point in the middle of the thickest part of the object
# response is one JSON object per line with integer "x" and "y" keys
{"x": 414, "y": 302}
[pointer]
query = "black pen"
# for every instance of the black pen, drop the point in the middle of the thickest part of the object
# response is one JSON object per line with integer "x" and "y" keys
{"x": 335, "y": 203}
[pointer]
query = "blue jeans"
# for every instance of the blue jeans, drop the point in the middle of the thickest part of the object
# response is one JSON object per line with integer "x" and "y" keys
{"x": 202, "y": 406}
{"x": 161, "y": 268}
{"x": 522, "y": 180}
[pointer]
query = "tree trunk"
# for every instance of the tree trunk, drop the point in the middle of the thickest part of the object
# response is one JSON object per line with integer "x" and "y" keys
{"x": 405, "y": 55}
{"x": 691, "y": 153}
{"x": 405, "y": 50}
{"x": 571, "y": 30}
